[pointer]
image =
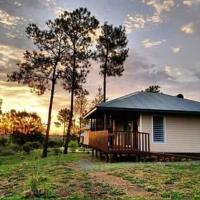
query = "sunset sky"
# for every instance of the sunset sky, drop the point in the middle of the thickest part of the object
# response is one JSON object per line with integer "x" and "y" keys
{"x": 164, "y": 47}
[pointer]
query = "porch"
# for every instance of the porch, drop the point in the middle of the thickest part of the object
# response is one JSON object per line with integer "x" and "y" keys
{"x": 119, "y": 142}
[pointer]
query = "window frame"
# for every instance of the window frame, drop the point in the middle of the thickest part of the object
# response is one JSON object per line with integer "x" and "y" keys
{"x": 164, "y": 130}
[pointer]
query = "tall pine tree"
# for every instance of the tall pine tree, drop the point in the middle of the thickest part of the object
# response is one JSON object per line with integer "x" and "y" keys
{"x": 78, "y": 26}
{"x": 111, "y": 52}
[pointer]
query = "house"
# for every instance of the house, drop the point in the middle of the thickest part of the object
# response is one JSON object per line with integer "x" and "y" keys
{"x": 144, "y": 122}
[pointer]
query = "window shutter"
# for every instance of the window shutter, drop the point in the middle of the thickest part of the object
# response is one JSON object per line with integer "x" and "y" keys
{"x": 158, "y": 129}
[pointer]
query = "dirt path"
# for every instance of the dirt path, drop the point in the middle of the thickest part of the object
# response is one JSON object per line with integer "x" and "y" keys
{"x": 118, "y": 182}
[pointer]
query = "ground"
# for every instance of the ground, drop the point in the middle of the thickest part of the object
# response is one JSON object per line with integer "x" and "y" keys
{"x": 78, "y": 176}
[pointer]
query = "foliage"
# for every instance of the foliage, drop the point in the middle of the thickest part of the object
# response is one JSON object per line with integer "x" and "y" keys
{"x": 79, "y": 27}
{"x": 98, "y": 98}
{"x": 3, "y": 141}
{"x": 153, "y": 89}
{"x": 80, "y": 108}
{"x": 73, "y": 145}
{"x": 57, "y": 151}
{"x": 111, "y": 51}
{"x": 27, "y": 147}
{"x": 6, "y": 151}
{"x": 15, "y": 147}
{"x": 20, "y": 121}
{"x": 21, "y": 138}
{"x": 55, "y": 143}
{"x": 1, "y": 101}
{"x": 39, "y": 69}
{"x": 63, "y": 118}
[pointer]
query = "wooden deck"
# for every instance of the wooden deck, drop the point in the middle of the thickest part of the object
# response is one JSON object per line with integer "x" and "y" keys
{"x": 119, "y": 142}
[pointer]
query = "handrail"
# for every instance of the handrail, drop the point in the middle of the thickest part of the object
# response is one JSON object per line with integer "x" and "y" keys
{"x": 120, "y": 141}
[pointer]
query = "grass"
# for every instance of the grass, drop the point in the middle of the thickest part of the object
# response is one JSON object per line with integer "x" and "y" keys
{"x": 69, "y": 177}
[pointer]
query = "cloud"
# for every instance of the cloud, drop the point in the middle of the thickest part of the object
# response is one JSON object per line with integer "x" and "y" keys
{"x": 175, "y": 49}
{"x": 190, "y": 3}
{"x": 9, "y": 54}
{"x": 147, "y": 43}
{"x": 188, "y": 28}
{"x": 9, "y": 20}
{"x": 160, "y": 6}
{"x": 139, "y": 21}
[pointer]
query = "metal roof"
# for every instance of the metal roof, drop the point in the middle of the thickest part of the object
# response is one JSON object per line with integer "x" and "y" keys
{"x": 152, "y": 102}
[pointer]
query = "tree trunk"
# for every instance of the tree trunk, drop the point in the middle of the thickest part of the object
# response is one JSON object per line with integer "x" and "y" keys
{"x": 104, "y": 76}
{"x": 104, "y": 86}
{"x": 45, "y": 146}
{"x": 70, "y": 124}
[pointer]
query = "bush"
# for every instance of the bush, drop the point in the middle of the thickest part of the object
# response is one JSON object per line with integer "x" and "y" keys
{"x": 3, "y": 141}
{"x": 27, "y": 147}
{"x": 6, "y": 152}
{"x": 21, "y": 138}
{"x": 73, "y": 145}
{"x": 15, "y": 147}
{"x": 57, "y": 151}
{"x": 35, "y": 145}
{"x": 55, "y": 143}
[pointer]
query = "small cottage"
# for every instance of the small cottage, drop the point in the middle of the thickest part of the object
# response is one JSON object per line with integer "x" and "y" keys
{"x": 144, "y": 122}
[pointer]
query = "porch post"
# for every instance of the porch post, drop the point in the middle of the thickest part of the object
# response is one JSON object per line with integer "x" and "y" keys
{"x": 91, "y": 124}
{"x": 104, "y": 121}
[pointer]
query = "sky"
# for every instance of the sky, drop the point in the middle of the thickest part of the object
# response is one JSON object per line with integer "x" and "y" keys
{"x": 163, "y": 41}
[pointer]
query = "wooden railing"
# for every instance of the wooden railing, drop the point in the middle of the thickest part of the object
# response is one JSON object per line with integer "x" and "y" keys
{"x": 99, "y": 140}
{"x": 119, "y": 141}
{"x": 129, "y": 142}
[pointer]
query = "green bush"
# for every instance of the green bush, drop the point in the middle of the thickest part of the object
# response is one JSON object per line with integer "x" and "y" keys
{"x": 73, "y": 145}
{"x": 6, "y": 152}
{"x": 27, "y": 147}
{"x": 35, "y": 145}
{"x": 21, "y": 138}
{"x": 3, "y": 141}
{"x": 57, "y": 151}
{"x": 55, "y": 143}
{"x": 15, "y": 147}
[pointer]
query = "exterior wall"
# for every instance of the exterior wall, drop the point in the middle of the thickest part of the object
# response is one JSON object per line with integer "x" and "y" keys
{"x": 86, "y": 137}
{"x": 182, "y": 133}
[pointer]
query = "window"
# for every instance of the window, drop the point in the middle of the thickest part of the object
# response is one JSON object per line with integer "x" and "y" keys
{"x": 158, "y": 129}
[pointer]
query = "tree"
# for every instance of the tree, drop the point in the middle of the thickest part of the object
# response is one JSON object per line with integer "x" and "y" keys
{"x": 98, "y": 98}
{"x": 1, "y": 101}
{"x": 111, "y": 52}
{"x": 63, "y": 118}
{"x": 78, "y": 27}
{"x": 80, "y": 107}
{"x": 20, "y": 121}
{"x": 153, "y": 89}
{"x": 40, "y": 68}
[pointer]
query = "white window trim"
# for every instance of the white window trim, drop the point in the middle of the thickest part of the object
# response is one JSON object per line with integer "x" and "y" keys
{"x": 164, "y": 129}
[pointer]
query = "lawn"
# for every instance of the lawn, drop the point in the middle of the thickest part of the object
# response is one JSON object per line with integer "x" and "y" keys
{"x": 78, "y": 176}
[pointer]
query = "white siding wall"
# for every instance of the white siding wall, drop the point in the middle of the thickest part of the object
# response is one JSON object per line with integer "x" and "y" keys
{"x": 182, "y": 133}
{"x": 86, "y": 138}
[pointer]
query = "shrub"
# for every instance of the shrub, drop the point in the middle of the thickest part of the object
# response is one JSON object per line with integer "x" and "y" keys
{"x": 6, "y": 152}
{"x": 3, "y": 141}
{"x": 35, "y": 145}
{"x": 21, "y": 138}
{"x": 57, "y": 151}
{"x": 15, "y": 147}
{"x": 27, "y": 147}
{"x": 73, "y": 145}
{"x": 55, "y": 143}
